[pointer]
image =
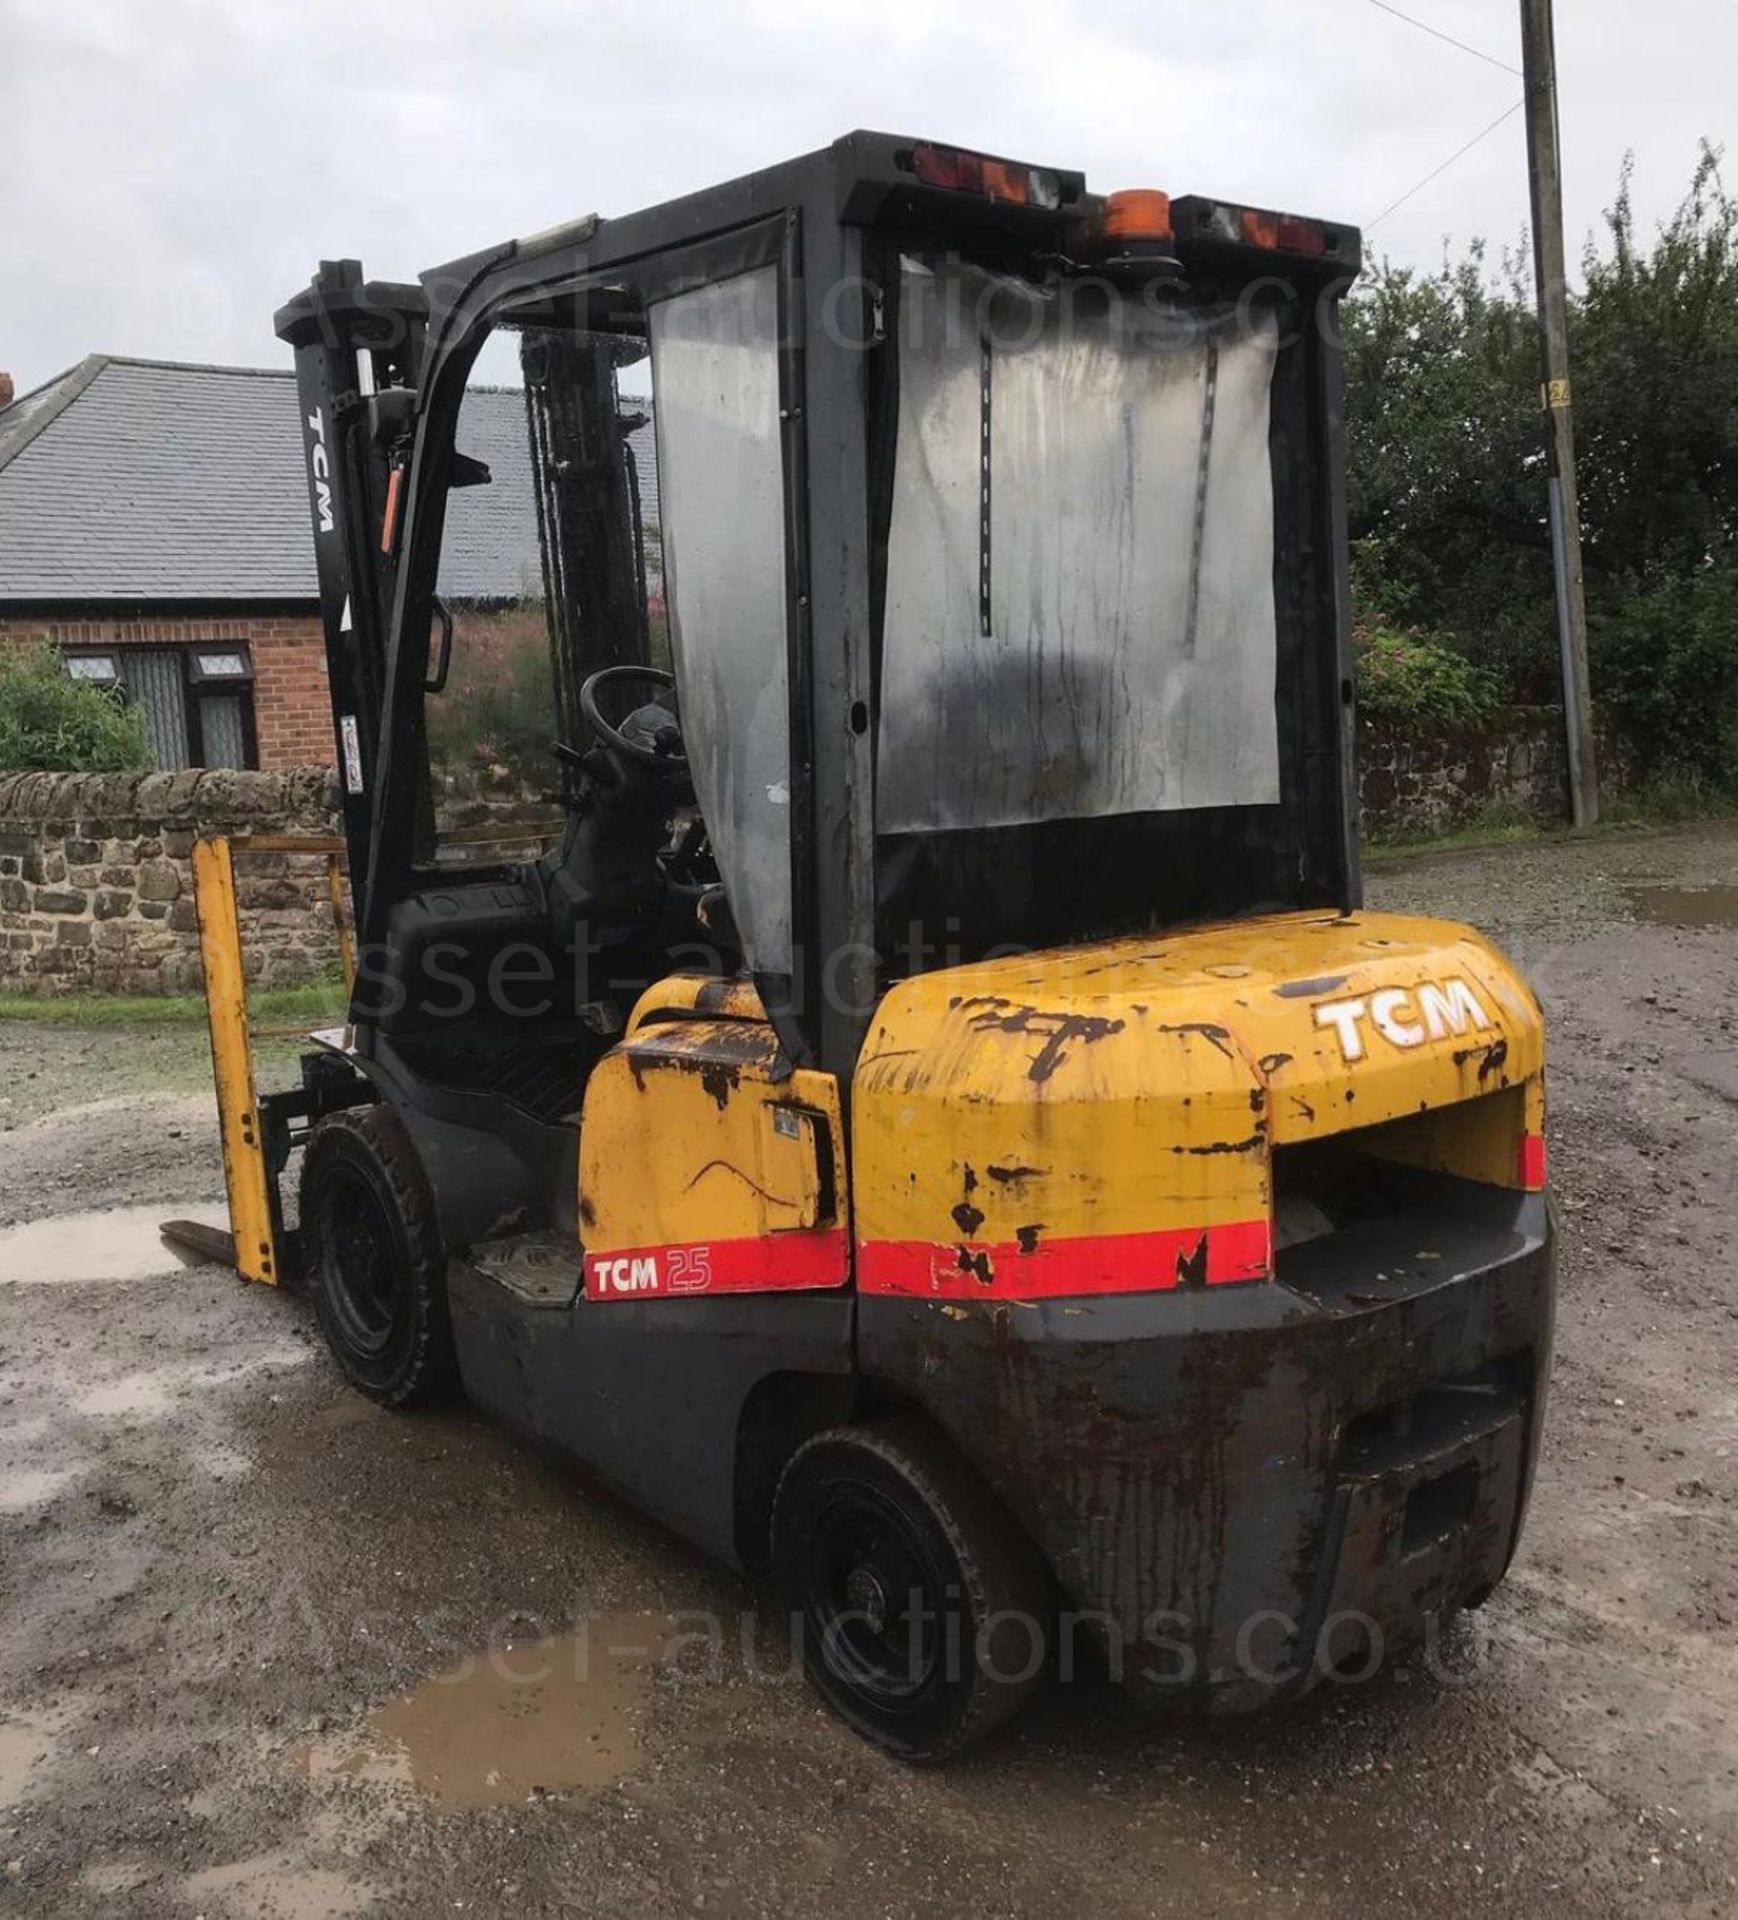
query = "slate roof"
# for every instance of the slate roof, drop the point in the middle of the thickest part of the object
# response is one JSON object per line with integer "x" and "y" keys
{"x": 147, "y": 480}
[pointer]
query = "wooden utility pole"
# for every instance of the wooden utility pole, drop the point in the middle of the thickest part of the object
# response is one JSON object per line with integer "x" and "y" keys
{"x": 1544, "y": 170}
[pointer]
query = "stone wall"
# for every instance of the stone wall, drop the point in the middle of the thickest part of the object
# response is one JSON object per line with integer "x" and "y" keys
{"x": 96, "y": 875}
{"x": 96, "y": 879}
{"x": 96, "y": 884}
{"x": 1412, "y": 783}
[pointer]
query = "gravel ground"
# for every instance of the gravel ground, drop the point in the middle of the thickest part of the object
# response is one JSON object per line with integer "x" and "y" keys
{"x": 225, "y": 1583}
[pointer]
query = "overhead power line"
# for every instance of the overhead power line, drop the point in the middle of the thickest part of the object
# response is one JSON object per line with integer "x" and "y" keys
{"x": 1436, "y": 173}
{"x": 1436, "y": 33}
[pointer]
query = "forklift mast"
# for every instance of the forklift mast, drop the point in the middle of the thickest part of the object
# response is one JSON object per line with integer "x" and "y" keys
{"x": 357, "y": 344}
{"x": 357, "y": 348}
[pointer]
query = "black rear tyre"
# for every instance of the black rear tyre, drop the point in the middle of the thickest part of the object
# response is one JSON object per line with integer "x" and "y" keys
{"x": 374, "y": 1259}
{"x": 924, "y": 1613}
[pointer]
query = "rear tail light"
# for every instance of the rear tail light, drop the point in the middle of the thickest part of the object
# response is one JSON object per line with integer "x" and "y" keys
{"x": 1255, "y": 227}
{"x": 1530, "y": 1163}
{"x": 1300, "y": 236}
{"x": 1136, "y": 221}
{"x": 1008, "y": 181}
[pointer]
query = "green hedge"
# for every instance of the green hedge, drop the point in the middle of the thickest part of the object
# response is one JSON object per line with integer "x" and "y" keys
{"x": 50, "y": 723}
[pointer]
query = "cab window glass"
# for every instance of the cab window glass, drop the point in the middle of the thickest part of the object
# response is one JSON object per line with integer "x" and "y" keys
{"x": 1080, "y": 617}
{"x": 548, "y": 570}
{"x": 722, "y": 554}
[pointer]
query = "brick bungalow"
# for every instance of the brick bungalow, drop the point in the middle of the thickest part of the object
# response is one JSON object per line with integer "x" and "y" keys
{"x": 154, "y": 527}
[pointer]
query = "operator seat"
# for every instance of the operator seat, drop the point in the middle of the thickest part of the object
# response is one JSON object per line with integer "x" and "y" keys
{"x": 446, "y": 945}
{"x": 580, "y": 932}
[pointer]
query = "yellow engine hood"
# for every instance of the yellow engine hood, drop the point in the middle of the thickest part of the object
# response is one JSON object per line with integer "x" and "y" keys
{"x": 1140, "y": 1085}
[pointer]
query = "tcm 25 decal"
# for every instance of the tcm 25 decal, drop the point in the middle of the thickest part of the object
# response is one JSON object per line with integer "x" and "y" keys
{"x": 634, "y": 1276}
{"x": 759, "y": 1263}
{"x": 1404, "y": 1016}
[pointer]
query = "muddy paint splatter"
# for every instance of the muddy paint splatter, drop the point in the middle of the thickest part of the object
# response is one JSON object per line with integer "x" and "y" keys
{"x": 1057, "y": 1032}
{"x": 1308, "y": 989}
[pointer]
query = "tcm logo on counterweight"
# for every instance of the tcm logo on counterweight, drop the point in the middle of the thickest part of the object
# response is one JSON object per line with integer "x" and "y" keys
{"x": 1403, "y": 1016}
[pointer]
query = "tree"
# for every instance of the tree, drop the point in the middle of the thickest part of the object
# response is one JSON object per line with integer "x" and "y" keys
{"x": 1447, "y": 473}
{"x": 50, "y": 723}
{"x": 1656, "y": 376}
{"x": 1446, "y": 463}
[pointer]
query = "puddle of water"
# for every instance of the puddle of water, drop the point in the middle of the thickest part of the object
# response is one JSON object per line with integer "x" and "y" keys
{"x": 121, "y": 1244}
{"x": 113, "y": 1878}
{"x": 26, "y": 1740}
{"x": 138, "y": 1393}
{"x": 150, "y": 1395}
{"x": 1685, "y": 906}
{"x": 351, "y": 1411}
{"x": 559, "y": 1714}
{"x": 274, "y": 1886}
{"x": 25, "y": 1488}
{"x": 221, "y": 1462}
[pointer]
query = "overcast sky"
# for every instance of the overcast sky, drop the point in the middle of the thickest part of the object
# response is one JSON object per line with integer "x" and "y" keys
{"x": 171, "y": 169}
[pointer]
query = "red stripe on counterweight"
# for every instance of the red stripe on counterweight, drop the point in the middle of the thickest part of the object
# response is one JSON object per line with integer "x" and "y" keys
{"x": 1095, "y": 1263}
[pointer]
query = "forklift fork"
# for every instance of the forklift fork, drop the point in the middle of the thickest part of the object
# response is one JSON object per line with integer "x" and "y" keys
{"x": 255, "y": 1132}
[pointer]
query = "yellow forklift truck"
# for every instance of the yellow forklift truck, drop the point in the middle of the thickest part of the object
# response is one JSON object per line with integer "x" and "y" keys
{"x": 971, "y": 1155}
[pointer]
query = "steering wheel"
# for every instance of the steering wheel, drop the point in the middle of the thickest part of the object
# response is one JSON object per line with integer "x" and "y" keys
{"x": 665, "y": 752}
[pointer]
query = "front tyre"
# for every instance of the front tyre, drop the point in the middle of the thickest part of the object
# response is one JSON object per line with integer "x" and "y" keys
{"x": 374, "y": 1258}
{"x": 923, "y": 1611}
